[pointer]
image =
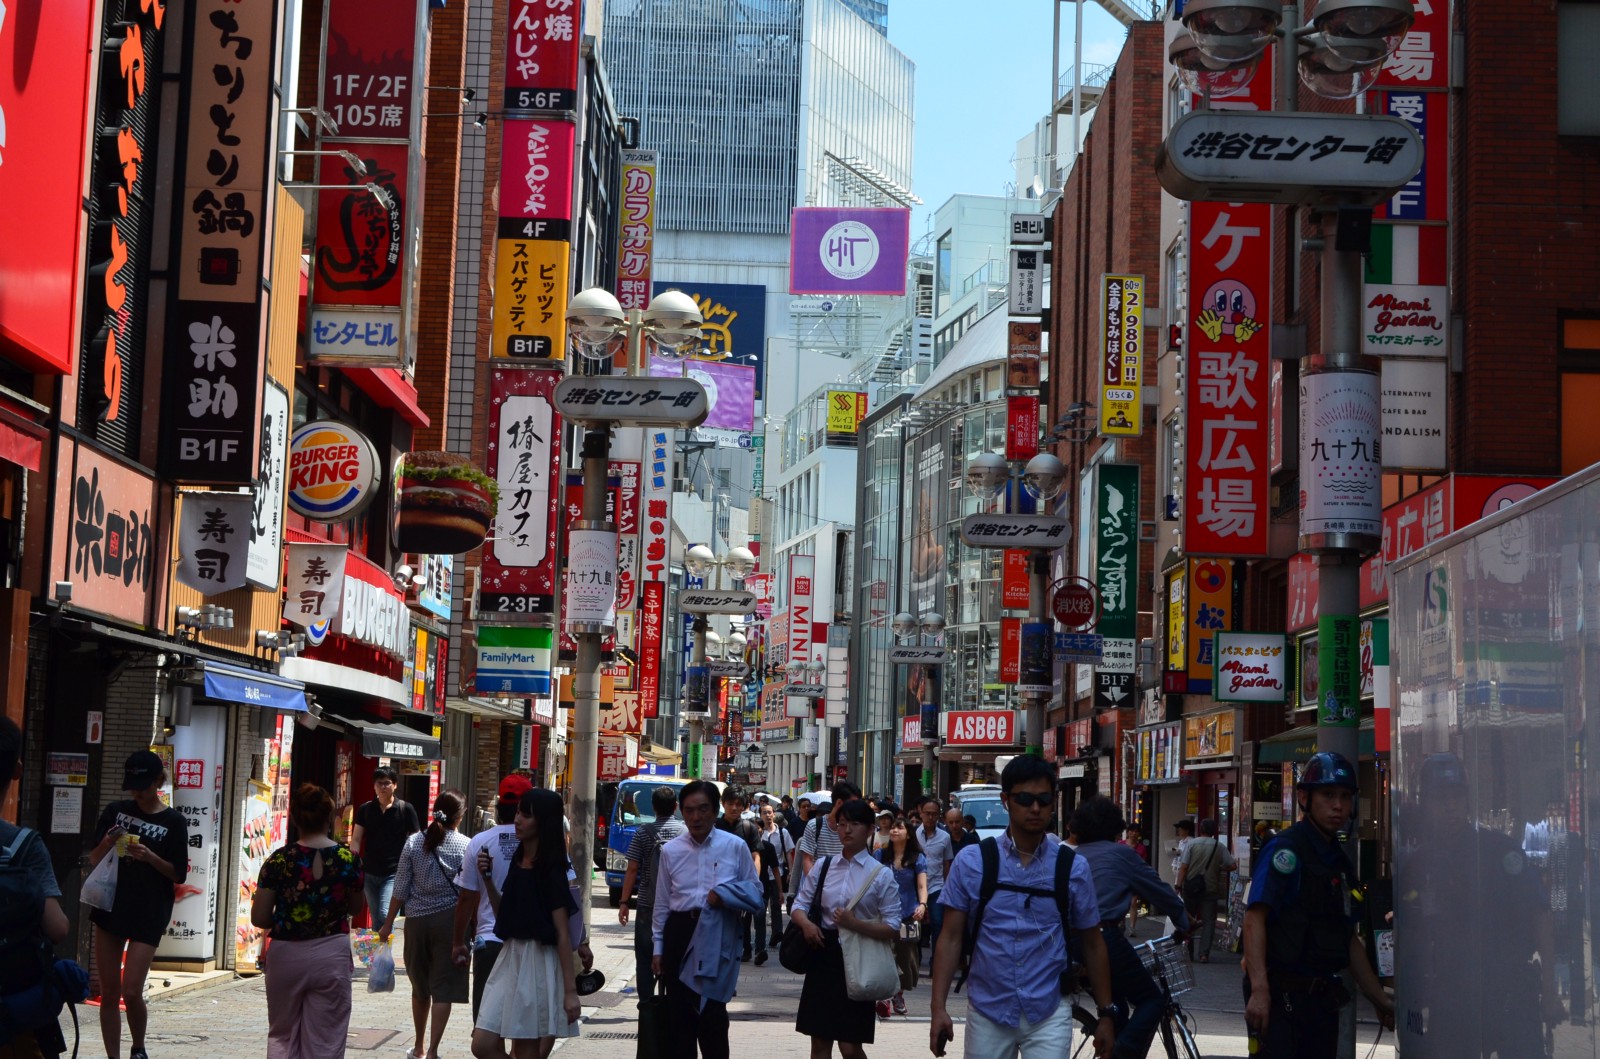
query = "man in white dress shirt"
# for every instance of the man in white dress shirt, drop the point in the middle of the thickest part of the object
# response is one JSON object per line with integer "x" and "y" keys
{"x": 692, "y": 866}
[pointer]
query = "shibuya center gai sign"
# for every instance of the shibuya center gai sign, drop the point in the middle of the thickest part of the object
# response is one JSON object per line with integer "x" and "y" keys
{"x": 634, "y": 399}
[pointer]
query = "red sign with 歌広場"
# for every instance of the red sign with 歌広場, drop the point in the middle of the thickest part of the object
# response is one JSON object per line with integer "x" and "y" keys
{"x": 1230, "y": 313}
{"x": 1423, "y": 58}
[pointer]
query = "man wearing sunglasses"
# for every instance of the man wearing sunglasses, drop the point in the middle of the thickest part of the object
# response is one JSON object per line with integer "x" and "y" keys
{"x": 1019, "y": 933}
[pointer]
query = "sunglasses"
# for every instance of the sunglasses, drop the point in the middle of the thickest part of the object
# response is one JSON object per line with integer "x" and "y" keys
{"x": 1027, "y": 799}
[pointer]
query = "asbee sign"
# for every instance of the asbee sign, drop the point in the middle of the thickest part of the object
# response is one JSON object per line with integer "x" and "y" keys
{"x": 1015, "y": 531}
{"x": 980, "y": 727}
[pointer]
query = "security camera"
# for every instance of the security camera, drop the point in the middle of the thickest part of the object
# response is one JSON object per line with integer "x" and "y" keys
{"x": 986, "y": 474}
{"x": 63, "y": 592}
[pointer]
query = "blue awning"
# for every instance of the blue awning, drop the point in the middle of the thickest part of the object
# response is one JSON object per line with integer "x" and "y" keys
{"x": 250, "y": 687}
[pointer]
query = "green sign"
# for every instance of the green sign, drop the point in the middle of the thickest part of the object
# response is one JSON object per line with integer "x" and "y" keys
{"x": 1339, "y": 672}
{"x": 693, "y": 763}
{"x": 1116, "y": 552}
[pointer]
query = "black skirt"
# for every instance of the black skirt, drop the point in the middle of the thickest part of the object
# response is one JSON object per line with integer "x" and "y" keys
{"x": 826, "y": 1010}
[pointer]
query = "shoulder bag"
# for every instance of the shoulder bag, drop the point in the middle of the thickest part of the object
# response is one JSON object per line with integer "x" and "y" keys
{"x": 869, "y": 970}
{"x": 1195, "y": 884}
{"x": 794, "y": 952}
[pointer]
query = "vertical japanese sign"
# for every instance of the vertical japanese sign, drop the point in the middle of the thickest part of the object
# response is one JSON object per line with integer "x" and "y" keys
{"x": 802, "y": 574}
{"x": 1230, "y": 368}
{"x": 362, "y": 285}
{"x": 638, "y": 230}
{"x": 1423, "y": 58}
{"x": 652, "y": 614}
{"x": 1010, "y": 650}
{"x": 1117, "y": 548}
{"x": 542, "y": 41}
{"x": 518, "y": 571}
{"x": 314, "y": 586}
{"x": 1014, "y": 579}
{"x": 1022, "y": 427}
{"x": 1341, "y": 480}
{"x": 266, "y": 520}
{"x": 213, "y": 541}
{"x": 1338, "y": 672}
{"x": 1210, "y": 612}
{"x": 1121, "y": 355}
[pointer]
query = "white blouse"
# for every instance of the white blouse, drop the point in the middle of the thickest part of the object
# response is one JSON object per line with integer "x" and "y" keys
{"x": 880, "y": 903}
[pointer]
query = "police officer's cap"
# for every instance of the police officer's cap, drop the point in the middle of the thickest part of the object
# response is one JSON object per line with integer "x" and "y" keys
{"x": 1327, "y": 769}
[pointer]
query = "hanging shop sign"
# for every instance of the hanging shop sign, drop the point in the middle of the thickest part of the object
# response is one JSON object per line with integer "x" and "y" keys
{"x": 652, "y": 615}
{"x": 334, "y": 471}
{"x": 1341, "y": 473}
{"x": 1414, "y": 414}
{"x": 1079, "y": 648}
{"x": 1177, "y": 620}
{"x": 656, "y": 499}
{"x": 1338, "y": 693}
{"x": 1425, "y": 197}
{"x": 1117, "y": 548}
{"x": 1308, "y": 670}
{"x": 1024, "y": 354}
{"x": 1024, "y": 286}
{"x": 536, "y": 179}
{"x": 263, "y": 564}
{"x": 443, "y": 505}
{"x": 211, "y": 410}
{"x": 980, "y": 727}
{"x": 911, "y": 733}
{"x": 1210, "y": 597}
{"x": 638, "y": 400}
{"x": 530, "y": 298}
{"x": 542, "y": 42}
{"x": 436, "y": 587}
{"x": 109, "y": 541}
{"x": 518, "y": 566}
{"x": 1113, "y": 691}
{"x": 213, "y": 540}
{"x": 637, "y": 231}
{"x": 1022, "y": 426}
{"x": 1121, "y": 356}
{"x": 846, "y": 410}
{"x": 853, "y": 250}
{"x": 1251, "y": 667}
{"x": 1010, "y": 650}
{"x": 591, "y": 587}
{"x": 1406, "y": 319}
{"x": 1028, "y": 229}
{"x": 1014, "y": 579}
{"x": 313, "y": 586}
{"x": 514, "y": 660}
{"x": 1226, "y": 468}
{"x": 1036, "y": 666}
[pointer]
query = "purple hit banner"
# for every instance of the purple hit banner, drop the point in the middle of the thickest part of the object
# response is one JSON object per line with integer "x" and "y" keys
{"x": 848, "y": 251}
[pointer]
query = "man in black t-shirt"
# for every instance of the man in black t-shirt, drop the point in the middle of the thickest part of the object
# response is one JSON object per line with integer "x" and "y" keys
{"x": 152, "y": 842}
{"x": 381, "y": 829}
{"x": 732, "y": 820}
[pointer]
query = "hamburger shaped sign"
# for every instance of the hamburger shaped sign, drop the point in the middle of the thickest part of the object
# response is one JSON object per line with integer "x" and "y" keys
{"x": 333, "y": 471}
{"x": 443, "y": 505}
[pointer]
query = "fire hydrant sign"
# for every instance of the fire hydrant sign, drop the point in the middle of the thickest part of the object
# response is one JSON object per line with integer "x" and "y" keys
{"x": 1251, "y": 667}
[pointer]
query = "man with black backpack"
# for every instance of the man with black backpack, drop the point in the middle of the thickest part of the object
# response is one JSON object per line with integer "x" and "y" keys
{"x": 31, "y": 921}
{"x": 1008, "y": 906}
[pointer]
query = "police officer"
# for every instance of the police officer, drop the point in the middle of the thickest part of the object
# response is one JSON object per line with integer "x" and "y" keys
{"x": 1299, "y": 931}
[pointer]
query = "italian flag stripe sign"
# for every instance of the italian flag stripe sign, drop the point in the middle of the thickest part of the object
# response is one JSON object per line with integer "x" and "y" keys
{"x": 1409, "y": 253}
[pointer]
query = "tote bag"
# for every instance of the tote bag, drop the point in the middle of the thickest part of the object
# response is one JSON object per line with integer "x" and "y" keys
{"x": 869, "y": 969}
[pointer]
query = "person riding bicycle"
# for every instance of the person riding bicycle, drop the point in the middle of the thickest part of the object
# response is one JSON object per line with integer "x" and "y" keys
{"x": 1119, "y": 874}
{"x": 1299, "y": 929}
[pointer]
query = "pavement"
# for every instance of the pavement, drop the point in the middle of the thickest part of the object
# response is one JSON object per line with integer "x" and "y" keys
{"x": 228, "y": 1016}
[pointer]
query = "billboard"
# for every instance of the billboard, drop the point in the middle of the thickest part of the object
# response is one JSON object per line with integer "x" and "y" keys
{"x": 1121, "y": 355}
{"x": 849, "y": 250}
{"x": 636, "y": 252}
{"x": 846, "y": 410}
{"x": 518, "y": 569}
{"x": 735, "y": 326}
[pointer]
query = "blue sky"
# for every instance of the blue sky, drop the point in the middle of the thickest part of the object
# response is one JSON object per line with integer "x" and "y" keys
{"x": 983, "y": 79}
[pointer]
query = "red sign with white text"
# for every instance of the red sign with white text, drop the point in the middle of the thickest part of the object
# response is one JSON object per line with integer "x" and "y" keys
{"x": 1014, "y": 579}
{"x": 1227, "y": 401}
{"x": 536, "y": 179}
{"x": 542, "y": 39}
{"x": 910, "y": 733}
{"x": 1022, "y": 428}
{"x": 652, "y": 612}
{"x": 802, "y": 572}
{"x": 1423, "y": 58}
{"x": 43, "y": 105}
{"x": 980, "y": 727}
{"x": 1010, "y": 650}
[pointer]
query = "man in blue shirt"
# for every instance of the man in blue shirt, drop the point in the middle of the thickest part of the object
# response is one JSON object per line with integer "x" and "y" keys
{"x": 1299, "y": 931}
{"x": 1020, "y": 950}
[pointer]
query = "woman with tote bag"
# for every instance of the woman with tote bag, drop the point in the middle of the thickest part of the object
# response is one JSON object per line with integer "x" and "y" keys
{"x": 860, "y": 907}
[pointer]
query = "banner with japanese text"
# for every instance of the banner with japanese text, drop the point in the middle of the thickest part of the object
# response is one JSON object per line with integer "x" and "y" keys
{"x": 542, "y": 48}
{"x": 214, "y": 540}
{"x": 518, "y": 568}
{"x": 530, "y": 298}
{"x": 313, "y": 586}
{"x": 1121, "y": 330}
{"x": 1211, "y": 611}
{"x": 1229, "y": 367}
{"x": 636, "y": 253}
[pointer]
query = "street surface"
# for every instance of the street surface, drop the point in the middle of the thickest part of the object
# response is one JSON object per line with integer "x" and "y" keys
{"x": 230, "y": 1017}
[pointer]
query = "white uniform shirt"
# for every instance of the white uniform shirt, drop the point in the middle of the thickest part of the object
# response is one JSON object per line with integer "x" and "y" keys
{"x": 690, "y": 870}
{"x": 880, "y": 902}
{"x": 501, "y": 842}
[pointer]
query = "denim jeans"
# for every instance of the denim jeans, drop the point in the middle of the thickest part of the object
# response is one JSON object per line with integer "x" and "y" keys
{"x": 1135, "y": 992}
{"x": 1049, "y": 1038}
{"x": 378, "y": 888}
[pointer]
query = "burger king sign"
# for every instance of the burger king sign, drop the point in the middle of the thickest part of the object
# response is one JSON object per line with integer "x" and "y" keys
{"x": 333, "y": 471}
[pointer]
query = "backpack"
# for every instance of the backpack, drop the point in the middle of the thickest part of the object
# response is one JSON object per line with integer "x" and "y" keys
{"x": 25, "y": 954}
{"x": 989, "y": 848}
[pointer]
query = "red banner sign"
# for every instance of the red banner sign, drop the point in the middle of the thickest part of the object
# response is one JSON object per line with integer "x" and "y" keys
{"x": 536, "y": 179}
{"x": 1014, "y": 579}
{"x": 652, "y": 612}
{"x": 638, "y": 228}
{"x": 1423, "y": 58}
{"x": 910, "y": 733}
{"x": 1022, "y": 428}
{"x": 980, "y": 727}
{"x": 1010, "y": 650}
{"x": 519, "y": 559}
{"x": 1230, "y": 315}
{"x": 542, "y": 39}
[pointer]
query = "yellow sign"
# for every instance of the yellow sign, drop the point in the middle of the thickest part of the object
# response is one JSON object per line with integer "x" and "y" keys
{"x": 530, "y": 298}
{"x": 1121, "y": 356}
{"x": 1208, "y": 735}
{"x": 1177, "y": 621}
{"x": 1210, "y": 610}
{"x": 846, "y": 410}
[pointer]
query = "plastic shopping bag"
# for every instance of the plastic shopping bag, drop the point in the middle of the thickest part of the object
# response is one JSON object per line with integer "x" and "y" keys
{"x": 380, "y": 978}
{"x": 365, "y": 944}
{"x": 100, "y": 888}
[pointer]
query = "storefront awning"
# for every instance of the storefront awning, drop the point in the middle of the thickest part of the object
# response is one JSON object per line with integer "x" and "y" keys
{"x": 380, "y": 739}
{"x": 1298, "y": 744}
{"x": 250, "y": 687}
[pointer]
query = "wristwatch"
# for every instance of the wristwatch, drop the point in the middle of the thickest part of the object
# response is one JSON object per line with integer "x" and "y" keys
{"x": 1109, "y": 1011}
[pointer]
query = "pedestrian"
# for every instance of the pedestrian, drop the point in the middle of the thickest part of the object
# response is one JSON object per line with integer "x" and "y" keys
{"x": 776, "y": 851}
{"x": 798, "y": 816}
{"x": 472, "y": 902}
{"x": 1136, "y": 842}
{"x": 425, "y": 886}
{"x": 1121, "y": 877}
{"x": 31, "y": 928}
{"x": 1299, "y": 930}
{"x": 644, "y": 854}
{"x": 961, "y": 836}
{"x": 904, "y": 857}
{"x": 1204, "y": 857}
{"x": 788, "y": 818}
{"x": 382, "y": 826}
{"x": 1021, "y": 892}
{"x": 971, "y": 823}
{"x": 305, "y": 896}
{"x": 735, "y": 821}
{"x": 816, "y": 806}
{"x": 819, "y": 838}
{"x": 880, "y": 834}
{"x": 705, "y": 878}
{"x": 851, "y": 891}
{"x": 1184, "y": 832}
{"x": 152, "y": 841}
{"x": 940, "y": 851}
{"x": 531, "y": 997}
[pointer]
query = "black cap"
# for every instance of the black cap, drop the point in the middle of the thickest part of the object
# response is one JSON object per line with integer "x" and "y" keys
{"x": 142, "y": 770}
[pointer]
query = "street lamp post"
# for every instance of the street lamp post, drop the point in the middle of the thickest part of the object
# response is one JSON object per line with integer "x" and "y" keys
{"x": 700, "y": 562}
{"x": 598, "y": 329}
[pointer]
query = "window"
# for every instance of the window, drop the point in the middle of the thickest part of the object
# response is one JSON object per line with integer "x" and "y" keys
{"x": 1577, "y": 103}
{"x": 941, "y": 274}
{"x": 1580, "y": 392}
{"x": 1171, "y": 468}
{"x": 1172, "y": 295}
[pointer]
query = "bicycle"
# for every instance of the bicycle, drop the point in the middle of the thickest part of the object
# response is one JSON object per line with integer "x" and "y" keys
{"x": 1165, "y": 961}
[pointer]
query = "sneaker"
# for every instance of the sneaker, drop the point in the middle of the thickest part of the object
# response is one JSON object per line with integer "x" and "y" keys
{"x": 899, "y": 1003}
{"x": 761, "y": 957}
{"x": 883, "y": 1009}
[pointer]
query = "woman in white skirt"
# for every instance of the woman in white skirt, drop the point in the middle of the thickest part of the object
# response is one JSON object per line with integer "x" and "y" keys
{"x": 531, "y": 997}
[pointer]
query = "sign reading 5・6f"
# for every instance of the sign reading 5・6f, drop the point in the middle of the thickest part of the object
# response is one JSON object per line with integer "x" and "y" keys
{"x": 1122, "y": 351}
